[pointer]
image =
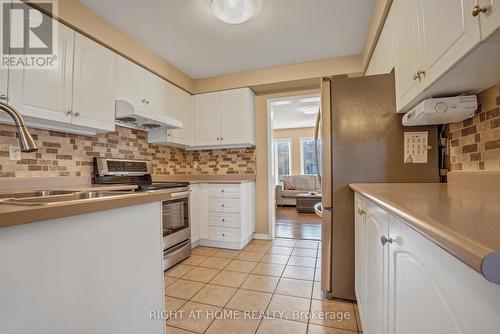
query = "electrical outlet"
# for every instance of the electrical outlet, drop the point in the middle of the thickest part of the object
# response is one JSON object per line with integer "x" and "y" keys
{"x": 14, "y": 153}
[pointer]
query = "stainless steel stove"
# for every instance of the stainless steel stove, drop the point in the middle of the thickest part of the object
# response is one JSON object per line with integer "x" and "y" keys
{"x": 175, "y": 210}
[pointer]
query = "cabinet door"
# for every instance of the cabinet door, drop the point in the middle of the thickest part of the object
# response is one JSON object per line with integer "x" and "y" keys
{"x": 407, "y": 45}
{"x": 375, "y": 269}
{"x": 359, "y": 232}
{"x": 156, "y": 94}
{"x": 448, "y": 31}
{"x": 426, "y": 282}
{"x": 194, "y": 211}
{"x": 46, "y": 94}
{"x": 130, "y": 82}
{"x": 4, "y": 76}
{"x": 206, "y": 119}
{"x": 179, "y": 106}
{"x": 94, "y": 85}
{"x": 490, "y": 21}
{"x": 236, "y": 116}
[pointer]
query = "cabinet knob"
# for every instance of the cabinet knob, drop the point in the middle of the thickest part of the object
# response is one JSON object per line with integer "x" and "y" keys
{"x": 361, "y": 212}
{"x": 223, "y": 220}
{"x": 77, "y": 114}
{"x": 384, "y": 240}
{"x": 147, "y": 102}
{"x": 69, "y": 112}
{"x": 221, "y": 138}
{"x": 223, "y": 234}
{"x": 3, "y": 97}
{"x": 222, "y": 190}
{"x": 222, "y": 205}
{"x": 479, "y": 9}
{"x": 143, "y": 101}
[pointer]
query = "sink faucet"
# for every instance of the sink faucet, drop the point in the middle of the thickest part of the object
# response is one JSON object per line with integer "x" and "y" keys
{"x": 26, "y": 142}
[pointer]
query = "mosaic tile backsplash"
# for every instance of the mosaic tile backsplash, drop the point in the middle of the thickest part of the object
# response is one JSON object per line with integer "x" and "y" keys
{"x": 63, "y": 154}
{"x": 475, "y": 142}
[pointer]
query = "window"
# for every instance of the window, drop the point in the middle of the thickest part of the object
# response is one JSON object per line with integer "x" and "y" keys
{"x": 307, "y": 157}
{"x": 282, "y": 158}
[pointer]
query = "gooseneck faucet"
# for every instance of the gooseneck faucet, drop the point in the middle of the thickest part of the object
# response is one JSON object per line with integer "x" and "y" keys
{"x": 26, "y": 141}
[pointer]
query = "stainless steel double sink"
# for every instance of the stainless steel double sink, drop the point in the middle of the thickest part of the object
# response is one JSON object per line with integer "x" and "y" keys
{"x": 48, "y": 197}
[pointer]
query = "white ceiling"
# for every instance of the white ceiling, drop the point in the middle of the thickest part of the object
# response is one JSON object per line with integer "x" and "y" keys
{"x": 288, "y": 113}
{"x": 187, "y": 33}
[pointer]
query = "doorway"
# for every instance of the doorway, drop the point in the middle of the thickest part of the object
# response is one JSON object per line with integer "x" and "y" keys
{"x": 293, "y": 169}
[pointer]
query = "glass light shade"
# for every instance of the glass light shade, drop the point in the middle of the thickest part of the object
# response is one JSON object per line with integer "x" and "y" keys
{"x": 233, "y": 11}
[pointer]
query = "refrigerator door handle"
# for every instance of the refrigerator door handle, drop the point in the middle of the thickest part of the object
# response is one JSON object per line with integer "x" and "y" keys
{"x": 316, "y": 148}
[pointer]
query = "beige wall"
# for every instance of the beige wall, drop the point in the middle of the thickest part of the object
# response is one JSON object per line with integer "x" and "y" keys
{"x": 261, "y": 141}
{"x": 294, "y": 135}
{"x": 307, "y": 70}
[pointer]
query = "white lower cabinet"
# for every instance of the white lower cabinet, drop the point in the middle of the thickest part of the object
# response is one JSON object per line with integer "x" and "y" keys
{"x": 225, "y": 214}
{"x": 194, "y": 213}
{"x": 407, "y": 284}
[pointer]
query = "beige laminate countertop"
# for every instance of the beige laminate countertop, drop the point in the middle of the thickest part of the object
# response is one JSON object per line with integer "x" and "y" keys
{"x": 200, "y": 178}
{"x": 18, "y": 214}
{"x": 462, "y": 219}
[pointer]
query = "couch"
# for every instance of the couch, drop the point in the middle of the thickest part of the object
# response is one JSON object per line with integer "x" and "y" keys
{"x": 303, "y": 184}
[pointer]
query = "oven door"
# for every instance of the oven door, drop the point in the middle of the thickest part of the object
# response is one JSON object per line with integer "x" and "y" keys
{"x": 175, "y": 220}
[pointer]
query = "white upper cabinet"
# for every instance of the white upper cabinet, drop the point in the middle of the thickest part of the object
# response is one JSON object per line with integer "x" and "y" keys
{"x": 155, "y": 93}
{"x": 489, "y": 16}
{"x": 4, "y": 75}
{"x": 143, "y": 89}
{"x": 408, "y": 49}
{"x": 94, "y": 87}
{"x": 236, "y": 118}
{"x": 46, "y": 94}
{"x": 429, "y": 39}
{"x": 130, "y": 82}
{"x": 382, "y": 60}
{"x": 207, "y": 119}
{"x": 447, "y": 32}
{"x": 179, "y": 105}
{"x": 224, "y": 119}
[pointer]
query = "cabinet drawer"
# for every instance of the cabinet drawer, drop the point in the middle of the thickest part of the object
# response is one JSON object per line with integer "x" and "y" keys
{"x": 224, "y": 205}
{"x": 224, "y": 219}
{"x": 224, "y": 234}
{"x": 224, "y": 191}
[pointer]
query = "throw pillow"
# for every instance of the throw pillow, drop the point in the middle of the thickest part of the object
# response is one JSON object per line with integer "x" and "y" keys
{"x": 288, "y": 183}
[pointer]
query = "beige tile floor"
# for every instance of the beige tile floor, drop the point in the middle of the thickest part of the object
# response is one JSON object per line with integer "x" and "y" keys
{"x": 268, "y": 287}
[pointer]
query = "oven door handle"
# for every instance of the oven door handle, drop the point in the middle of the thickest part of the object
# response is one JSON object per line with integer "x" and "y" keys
{"x": 180, "y": 194}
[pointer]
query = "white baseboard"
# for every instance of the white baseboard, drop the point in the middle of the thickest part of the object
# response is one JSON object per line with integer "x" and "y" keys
{"x": 261, "y": 236}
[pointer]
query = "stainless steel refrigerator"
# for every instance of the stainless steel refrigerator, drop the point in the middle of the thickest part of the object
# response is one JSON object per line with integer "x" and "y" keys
{"x": 361, "y": 139}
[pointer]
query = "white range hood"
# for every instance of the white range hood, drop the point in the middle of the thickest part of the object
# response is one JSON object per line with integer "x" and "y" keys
{"x": 139, "y": 118}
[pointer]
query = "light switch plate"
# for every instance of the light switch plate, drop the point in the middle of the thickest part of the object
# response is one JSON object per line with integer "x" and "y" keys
{"x": 416, "y": 147}
{"x": 14, "y": 153}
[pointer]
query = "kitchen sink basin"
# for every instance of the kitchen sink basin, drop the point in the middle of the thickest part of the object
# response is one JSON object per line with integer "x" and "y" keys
{"x": 55, "y": 197}
{"x": 36, "y": 193}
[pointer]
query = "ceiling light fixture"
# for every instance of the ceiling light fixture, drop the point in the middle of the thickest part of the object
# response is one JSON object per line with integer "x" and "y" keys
{"x": 310, "y": 110}
{"x": 233, "y": 11}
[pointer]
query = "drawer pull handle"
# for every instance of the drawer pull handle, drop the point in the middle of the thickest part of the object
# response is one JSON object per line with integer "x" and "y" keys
{"x": 476, "y": 10}
{"x": 385, "y": 240}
